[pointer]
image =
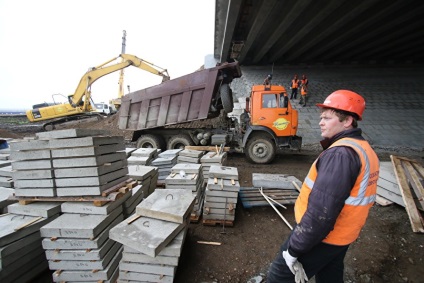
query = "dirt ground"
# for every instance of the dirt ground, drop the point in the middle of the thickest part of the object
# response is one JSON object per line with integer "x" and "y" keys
{"x": 386, "y": 251}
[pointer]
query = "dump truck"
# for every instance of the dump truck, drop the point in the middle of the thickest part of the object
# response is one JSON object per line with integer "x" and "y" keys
{"x": 192, "y": 110}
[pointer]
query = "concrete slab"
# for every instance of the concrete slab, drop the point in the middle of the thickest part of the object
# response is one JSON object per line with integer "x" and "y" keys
{"x": 223, "y": 194}
{"x": 170, "y": 153}
{"x": 6, "y": 171}
{"x": 214, "y": 216}
{"x": 88, "y": 161}
{"x": 30, "y": 165}
{"x": 43, "y": 209}
{"x": 191, "y": 153}
{"x": 89, "y": 171}
{"x": 83, "y": 255}
{"x": 166, "y": 204}
{"x": 79, "y": 225}
{"x": 212, "y": 157}
{"x": 113, "y": 278}
{"x": 35, "y": 192}
{"x": 129, "y": 151}
{"x": 89, "y": 190}
{"x": 30, "y": 154}
{"x": 82, "y": 264}
{"x": 146, "y": 235}
{"x": 274, "y": 181}
{"x": 20, "y": 244}
{"x": 182, "y": 179}
{"x": 6, "y": 182}
{"x": 86, "y": 141}
{"x": 27, "y": 251}
{"x": 130, "y": 276}
{"x": 88, "y": 276}
{"x": 142, "y": 258}
{"x": 139, "y": 160}
{"x": 187, "y": 159}
{"x": 86, "y": 151}
{"x": 33, "y": 272}
{"x": 187, "y": 168}
{"x": 173, "y": 249}
{"x": 91, "y": 181}
{"x": 79, "y": 244}
{"x": 15, "y": 227}
{"x": 21, "y": 266}
{"x": 144, "y": 152}
{"x": 71, "y": 133}
{"x": 90, "y": 208}
{"x": 168, "y": 160}
{"x": 36, "y": 183}
{"x": 33, "y": 174}
{"x": 209, "y": 198}
{"x": 223, "y": 172}
{"x": 221, "y": 205}
{"x": 29, "y": 145}
{"x": 5, "y": 163}
{"x": 5, "y": 193}
{"x": 4, "y": 156}
{"x": 147, "y": 268}
{"x": 223, "y": 185}
{"x": 141, "y": 172}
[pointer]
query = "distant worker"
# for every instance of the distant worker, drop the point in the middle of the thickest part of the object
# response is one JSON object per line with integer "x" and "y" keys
{"x": 303, "y": 90}
{"x": 294, "y": 85}
{"x": 335, "y": 197}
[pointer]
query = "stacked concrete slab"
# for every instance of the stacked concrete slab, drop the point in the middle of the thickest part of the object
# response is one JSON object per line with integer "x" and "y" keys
{"x": 6, "y": 179}
{"x": 5, "y": 194}
{"x": 153, "y": 236}
{"x": 68, "y": 163}
{"x": 22, "y": 257}
{"x": 212, "y": 158}
{"x": 190, "y": 156}
{"x": 188, "y": 177}
{"x": 221, "y": 194}
{"x": 77, "y": 245}
{"x": 142, "y": 156}
{"x": 165, "y": 161}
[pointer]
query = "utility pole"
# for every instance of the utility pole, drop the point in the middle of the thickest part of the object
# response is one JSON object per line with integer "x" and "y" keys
{"x": 121, "y": 76}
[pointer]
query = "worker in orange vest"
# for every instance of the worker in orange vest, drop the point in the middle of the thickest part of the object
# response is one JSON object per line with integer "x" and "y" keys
{"x": 294, "y": 85}
{"x": 303, "y": 90}
{"x": 335, "y": 197}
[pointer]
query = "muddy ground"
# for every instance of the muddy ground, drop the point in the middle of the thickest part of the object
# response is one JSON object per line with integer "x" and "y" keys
{"x": 386, "y": 251}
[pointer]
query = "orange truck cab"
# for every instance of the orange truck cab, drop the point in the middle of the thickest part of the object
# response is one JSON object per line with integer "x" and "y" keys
{"x": 272, "y": 125}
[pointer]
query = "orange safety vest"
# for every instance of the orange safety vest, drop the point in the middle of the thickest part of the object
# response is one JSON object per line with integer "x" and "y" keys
{"x": 362, "y": 196}
{"x": 303, "y": 90}
{"x": 295, "y": 83}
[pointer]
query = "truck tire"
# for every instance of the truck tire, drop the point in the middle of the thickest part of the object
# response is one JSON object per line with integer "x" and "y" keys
{"x": 260, "y": 150}
{"x": 226, "y": 98}
{"x": 150, "y": 141}
{"x": 179, "y": 142}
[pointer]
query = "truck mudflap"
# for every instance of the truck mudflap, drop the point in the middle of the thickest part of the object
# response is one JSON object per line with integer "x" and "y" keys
{"x": 295, "y": 143}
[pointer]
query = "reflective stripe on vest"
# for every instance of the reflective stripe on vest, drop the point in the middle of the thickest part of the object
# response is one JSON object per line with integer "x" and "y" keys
{"x": 295, "y": 83}
{"x": 357, "y": 205}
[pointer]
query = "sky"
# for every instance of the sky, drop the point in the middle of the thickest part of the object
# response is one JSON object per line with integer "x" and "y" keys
{"x": 46, "y": 46}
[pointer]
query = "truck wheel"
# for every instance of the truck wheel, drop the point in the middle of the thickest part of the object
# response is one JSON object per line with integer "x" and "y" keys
{"x": 226, "y": 98}
{"x": 179, "y": 142}
{"x": 150, "y": 141}
{"x": 260, "y": 150}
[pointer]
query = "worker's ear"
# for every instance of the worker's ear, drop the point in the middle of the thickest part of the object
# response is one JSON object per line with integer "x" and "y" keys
{"x": 348, "y": 122}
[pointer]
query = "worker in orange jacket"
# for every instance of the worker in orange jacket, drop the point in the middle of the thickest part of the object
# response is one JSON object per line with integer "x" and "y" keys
{"x": 303, "y": 90}
{"x": 294, "y": 84}
{"x": 335, "y": 197}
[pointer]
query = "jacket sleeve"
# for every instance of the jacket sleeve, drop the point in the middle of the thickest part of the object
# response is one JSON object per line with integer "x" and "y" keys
{"x": 337, "y": 171}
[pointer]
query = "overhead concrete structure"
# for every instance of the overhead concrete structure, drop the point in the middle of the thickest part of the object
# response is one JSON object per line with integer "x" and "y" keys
{"x": 311, "y": 32}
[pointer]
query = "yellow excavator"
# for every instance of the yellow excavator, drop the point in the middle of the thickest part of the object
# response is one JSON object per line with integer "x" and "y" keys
{"x": 80, "y": 105}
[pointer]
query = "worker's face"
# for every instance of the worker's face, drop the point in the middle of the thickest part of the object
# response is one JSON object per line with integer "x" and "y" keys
{"x": 330, "y": 124}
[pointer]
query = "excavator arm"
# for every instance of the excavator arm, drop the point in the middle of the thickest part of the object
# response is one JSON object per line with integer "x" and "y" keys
{"x": 83, "y": 93}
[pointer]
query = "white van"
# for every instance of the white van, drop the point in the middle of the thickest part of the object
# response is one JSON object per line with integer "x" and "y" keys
{"x": 103, "y": 108}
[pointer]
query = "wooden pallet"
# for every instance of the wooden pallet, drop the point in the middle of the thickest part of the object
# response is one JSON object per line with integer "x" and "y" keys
{"x": 409, "y": 174}
{"x": 214, "y": 222}
{"x": 111, "y": 194}
{"x": 251, "y": 197}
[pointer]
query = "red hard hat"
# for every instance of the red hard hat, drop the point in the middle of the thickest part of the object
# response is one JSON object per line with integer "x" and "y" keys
{"x": 345, "y": 100}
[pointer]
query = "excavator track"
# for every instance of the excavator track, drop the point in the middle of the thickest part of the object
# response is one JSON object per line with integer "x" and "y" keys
{"x": 72, "y": 120}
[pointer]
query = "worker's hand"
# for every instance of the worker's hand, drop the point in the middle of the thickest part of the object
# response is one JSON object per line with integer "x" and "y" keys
{"x": 295, "y": 267}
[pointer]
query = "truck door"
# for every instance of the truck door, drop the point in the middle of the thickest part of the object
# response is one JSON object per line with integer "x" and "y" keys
{"x": 273, "y": 113}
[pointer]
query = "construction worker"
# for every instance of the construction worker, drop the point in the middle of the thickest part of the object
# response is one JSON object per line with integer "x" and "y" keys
{"x": 303, "y": 90}
{"x": 335, "y": 197}
{"x": 294, "y": 85}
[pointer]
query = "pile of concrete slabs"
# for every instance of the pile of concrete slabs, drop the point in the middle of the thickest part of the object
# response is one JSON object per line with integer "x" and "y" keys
{"x": 212, "y": 158}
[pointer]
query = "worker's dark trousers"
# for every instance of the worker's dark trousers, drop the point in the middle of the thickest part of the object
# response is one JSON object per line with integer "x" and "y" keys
{"x": 324, "y": 261}
{"x": 293, "y": 93}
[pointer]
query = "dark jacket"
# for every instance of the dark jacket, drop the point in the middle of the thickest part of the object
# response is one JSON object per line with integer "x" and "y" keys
{"x": 338, "y": 169}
